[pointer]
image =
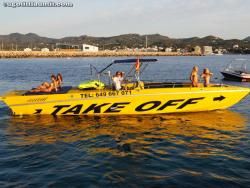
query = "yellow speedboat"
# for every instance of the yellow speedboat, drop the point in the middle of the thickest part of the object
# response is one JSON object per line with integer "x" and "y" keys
{"x": 135, "y": 97}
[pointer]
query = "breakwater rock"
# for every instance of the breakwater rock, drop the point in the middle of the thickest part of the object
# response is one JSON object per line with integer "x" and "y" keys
{"x": 58, "y": 54}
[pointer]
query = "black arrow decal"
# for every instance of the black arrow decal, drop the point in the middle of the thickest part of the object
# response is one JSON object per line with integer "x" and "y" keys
{"x": 38, "y": 111}
{"x": 219, "y": 98}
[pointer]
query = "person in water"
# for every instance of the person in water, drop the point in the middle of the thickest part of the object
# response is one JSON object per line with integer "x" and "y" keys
{"x": 117, "y": 80}
{"x": 59, "y": 80}
{"x": 47, "y": 87}
{"x": 194, "y": 76}
{"x": 206, "y": 75}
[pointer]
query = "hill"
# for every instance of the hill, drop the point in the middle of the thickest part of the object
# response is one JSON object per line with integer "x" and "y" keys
{"x": 247, "y": 39}
{"x": 33, "y": 40}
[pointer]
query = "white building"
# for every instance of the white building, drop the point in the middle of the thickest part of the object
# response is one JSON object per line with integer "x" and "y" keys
{"x": 160, "y": 48}
{"x": 89, "y": 48}
{"x": 45, "y": 49}
{"x": 236, "y": 46}
{"x": 207, "y": 50}
{"x": 153, "y": 49}
{"x": 27, "y": 50}
{"x": 168, "y": 50}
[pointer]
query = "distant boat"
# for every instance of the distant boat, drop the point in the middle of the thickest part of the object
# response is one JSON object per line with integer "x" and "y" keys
{"x": 240, "y": 74}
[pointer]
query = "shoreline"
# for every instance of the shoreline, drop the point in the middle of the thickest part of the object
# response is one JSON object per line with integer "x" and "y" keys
{"x": 61, "y": 54}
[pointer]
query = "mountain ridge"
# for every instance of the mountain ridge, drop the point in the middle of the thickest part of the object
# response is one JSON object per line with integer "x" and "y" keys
{"x": 131, "y": 40}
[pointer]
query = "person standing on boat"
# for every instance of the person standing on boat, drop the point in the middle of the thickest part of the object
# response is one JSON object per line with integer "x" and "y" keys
{"x": 194, "y": 76}
{"x": 206, "y": 75}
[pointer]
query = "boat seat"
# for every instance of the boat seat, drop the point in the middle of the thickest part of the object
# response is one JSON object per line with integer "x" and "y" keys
{"x": 63, "y": 90}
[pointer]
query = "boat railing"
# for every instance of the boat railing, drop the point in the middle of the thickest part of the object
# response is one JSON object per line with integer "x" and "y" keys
{"x": 166, "y": 85}
{"x": 179, "y": 83}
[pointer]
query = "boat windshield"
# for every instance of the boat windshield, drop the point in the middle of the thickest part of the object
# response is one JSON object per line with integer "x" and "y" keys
{"x": 239, "y": 65}
{"x": 131, "y": 69}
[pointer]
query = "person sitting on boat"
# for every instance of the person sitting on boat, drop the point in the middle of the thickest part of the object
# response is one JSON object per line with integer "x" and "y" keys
{"x": 122, "y": 76}
{"x": 206, "y": 75}
{"x": 59, "y": 80}
{"x": 117, "y": 80}
{"x": 46, "y": 87}
{"x": 194, "y": 76}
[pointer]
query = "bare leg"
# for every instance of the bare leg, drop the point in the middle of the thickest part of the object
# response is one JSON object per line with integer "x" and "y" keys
{"x": 35, "y": 90}
{"x": 44, "y": 85}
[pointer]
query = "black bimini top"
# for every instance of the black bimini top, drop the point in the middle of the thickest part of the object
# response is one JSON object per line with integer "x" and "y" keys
{"x": 134, "y": 60}
{"x": 129, "y": 61}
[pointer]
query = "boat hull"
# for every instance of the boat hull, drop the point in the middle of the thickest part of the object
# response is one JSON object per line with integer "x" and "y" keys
{"x": 109, "y": 102}
{"x": 235, "y": 77}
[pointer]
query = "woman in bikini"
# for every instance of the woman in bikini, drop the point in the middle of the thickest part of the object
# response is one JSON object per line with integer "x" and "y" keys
{"x": 46, "y": 87}
{"x": 59, "y": 81}
{"x": 194, "y": 76}
{"x": 206, "y": 75}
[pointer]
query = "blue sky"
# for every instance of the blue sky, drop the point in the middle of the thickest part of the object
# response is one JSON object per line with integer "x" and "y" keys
{"x": 174, "y": 18}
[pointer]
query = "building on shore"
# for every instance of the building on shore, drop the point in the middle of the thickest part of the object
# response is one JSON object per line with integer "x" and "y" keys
{"x": 45, "y": 50}
{"x": 67, "y": 47}
{"x": 218, "y": 51}
{"x": 235, "y": 46}
{"x": 27, "y": 50}
{"x": 168, "y": 49}
{"x": 89, "y": 48}
{"x": 207, "y": 50}
{"x": 197, "y": 49}
{"x": 152, "y": 49}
